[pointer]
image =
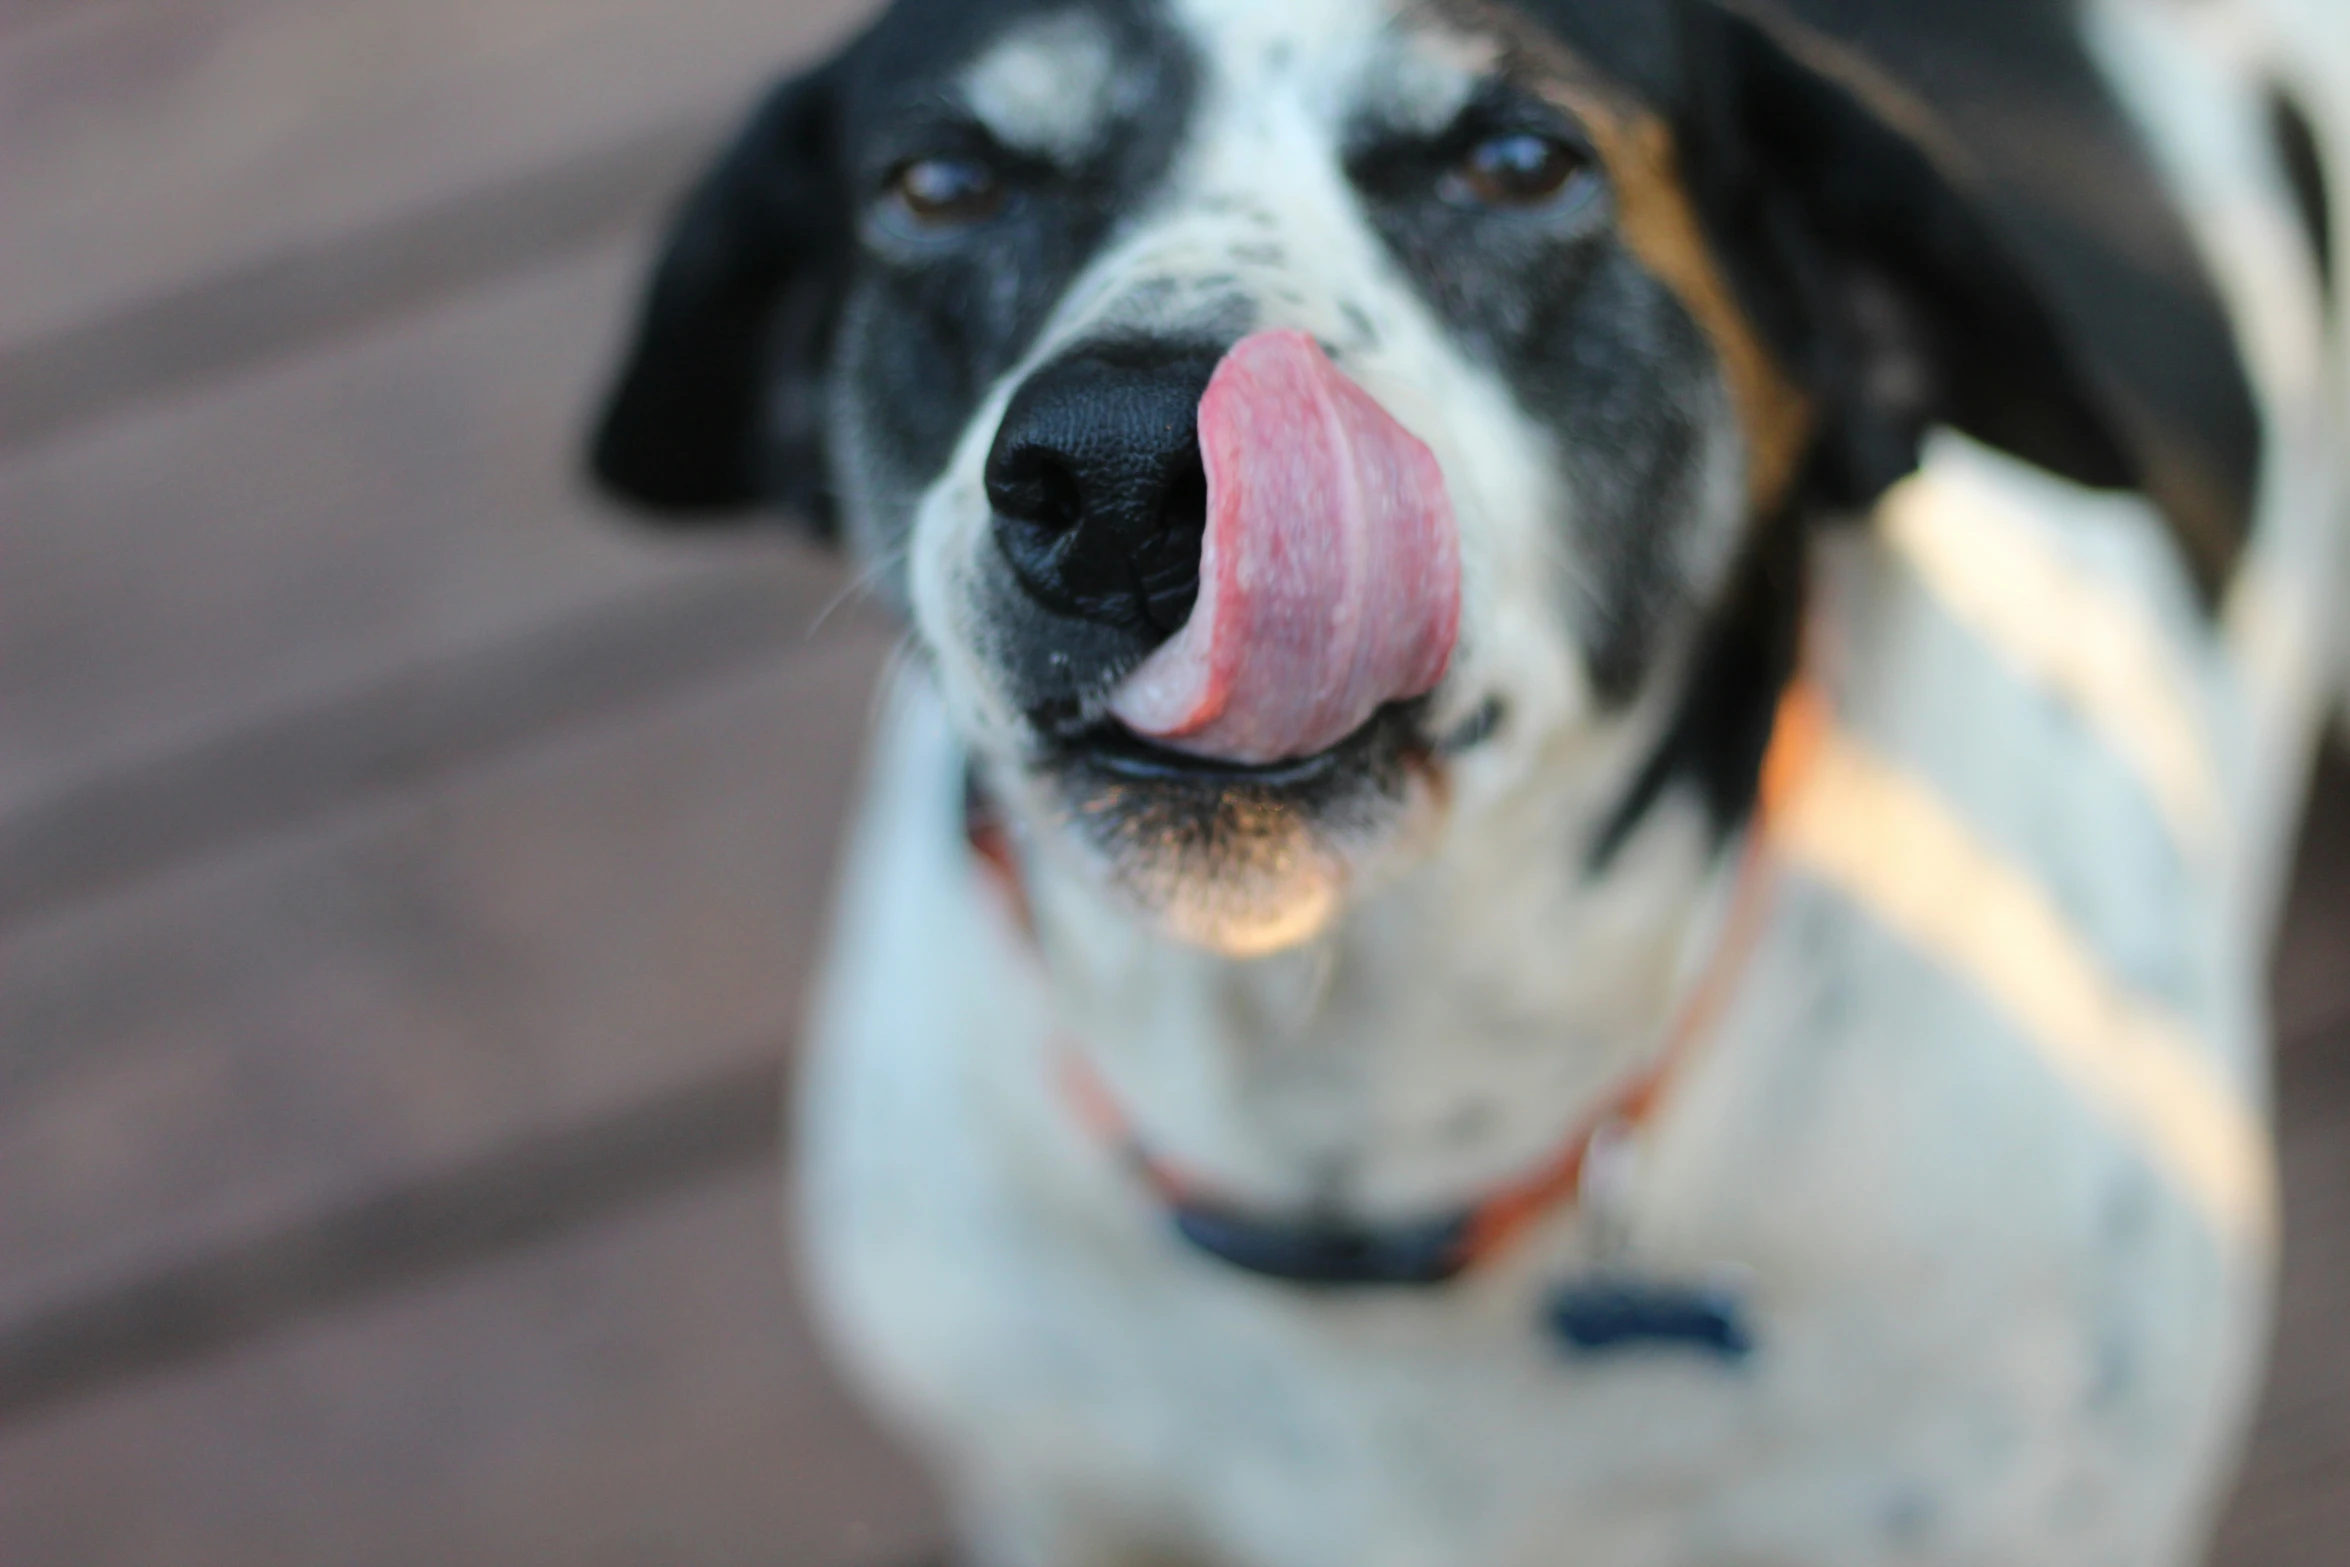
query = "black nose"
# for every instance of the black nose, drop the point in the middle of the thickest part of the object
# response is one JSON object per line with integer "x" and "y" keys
{"x": 1099, "y": 496}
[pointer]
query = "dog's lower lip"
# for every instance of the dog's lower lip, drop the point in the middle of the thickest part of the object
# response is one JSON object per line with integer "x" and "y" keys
{"x": 1112, "y": 748}
{"x": 1118, "y": 750}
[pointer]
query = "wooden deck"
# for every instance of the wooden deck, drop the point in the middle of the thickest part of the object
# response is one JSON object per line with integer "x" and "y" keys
{"x": 408, "y": 876}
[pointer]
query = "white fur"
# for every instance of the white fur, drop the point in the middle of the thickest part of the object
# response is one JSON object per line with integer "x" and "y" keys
{"x": 1047, "y": 87}
{"x": 1994, "y": 1328}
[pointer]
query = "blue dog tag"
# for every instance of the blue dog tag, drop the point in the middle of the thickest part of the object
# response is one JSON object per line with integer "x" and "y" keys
{"x": 1600, "y": 1315}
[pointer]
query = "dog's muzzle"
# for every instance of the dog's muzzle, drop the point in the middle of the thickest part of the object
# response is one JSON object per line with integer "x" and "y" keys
{"x": 1277, "y": 550}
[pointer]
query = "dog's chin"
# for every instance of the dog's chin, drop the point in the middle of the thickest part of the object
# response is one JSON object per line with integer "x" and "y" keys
{"x": 1246, "y": 860}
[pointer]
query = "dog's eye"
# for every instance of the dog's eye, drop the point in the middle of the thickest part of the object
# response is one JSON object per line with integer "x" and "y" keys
{"x": 1518, "y": 169}
{"x": 947, "y": 192}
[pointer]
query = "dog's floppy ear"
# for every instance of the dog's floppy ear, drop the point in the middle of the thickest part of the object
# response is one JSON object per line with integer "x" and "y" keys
{"x": 1860, "y": 237}
{"x": 718, "y": 406}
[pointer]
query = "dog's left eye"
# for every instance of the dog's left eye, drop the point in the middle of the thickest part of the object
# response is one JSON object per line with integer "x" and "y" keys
{"x": 946, "y": 192}
{"x": 1518, "y": 169}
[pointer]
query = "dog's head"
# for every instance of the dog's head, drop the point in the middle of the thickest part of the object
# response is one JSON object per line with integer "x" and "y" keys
{"x": 1286, "y": 421}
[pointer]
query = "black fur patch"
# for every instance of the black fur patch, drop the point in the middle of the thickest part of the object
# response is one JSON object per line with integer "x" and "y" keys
{"x": 2305, "y": 170}
{"x": 2067, "y": 184}
{"x": 1934, "y": 211}
{"x": 780, "y": 305}
{"x": 1722, "y": 721}
{"x": 928, "y": 329}
{"x": 1596, "y": 348}
{"x": 2044, "y": 173}
{"x": 717, "y": 407}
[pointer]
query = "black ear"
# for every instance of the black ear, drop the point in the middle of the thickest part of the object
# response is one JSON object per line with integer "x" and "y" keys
{"x": 1880, "y": 263}
{"x": 719, "y": 403}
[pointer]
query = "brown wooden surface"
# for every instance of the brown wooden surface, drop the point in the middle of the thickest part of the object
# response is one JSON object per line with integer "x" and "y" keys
{"x": 147, "y": 145}
{"x": 2293, "y": 1507}
{"x": 267, "y": 544}
{"x": 638, "y": 1391}
{"x": 535, "y": 941}
{"x": 409, "y": 878}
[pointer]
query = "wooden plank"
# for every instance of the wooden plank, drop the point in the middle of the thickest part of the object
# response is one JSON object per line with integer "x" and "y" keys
{"x": 592, "y": 920}
{"x": 2311, "y": 977}
{"x": 146, "y": 144}
{"x": 250, "y": 779}
{"x": 529, "y": 1186}
{"x": 642, "y": 1392}
{"x": 273, "y": 544}
{"x": 16, "y": 14}
{"x": 2293, "y": 1507}
{"x": 224, "y": 322}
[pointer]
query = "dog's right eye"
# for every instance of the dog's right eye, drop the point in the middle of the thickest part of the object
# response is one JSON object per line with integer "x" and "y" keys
{"x": 946, "y": 192}
{"x": 1516, "y": 171}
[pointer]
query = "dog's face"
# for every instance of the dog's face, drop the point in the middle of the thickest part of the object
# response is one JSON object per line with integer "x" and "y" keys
{"x": 1028, "y": 295}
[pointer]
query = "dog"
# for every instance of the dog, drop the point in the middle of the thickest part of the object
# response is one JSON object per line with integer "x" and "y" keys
{"x": 1602, "y": 703}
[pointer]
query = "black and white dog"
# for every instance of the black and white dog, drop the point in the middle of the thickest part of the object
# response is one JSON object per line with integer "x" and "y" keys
{"x": 1604, "y": 694}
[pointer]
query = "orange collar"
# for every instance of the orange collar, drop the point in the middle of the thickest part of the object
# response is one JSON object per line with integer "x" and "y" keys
{"x": 1433, "y": 1250}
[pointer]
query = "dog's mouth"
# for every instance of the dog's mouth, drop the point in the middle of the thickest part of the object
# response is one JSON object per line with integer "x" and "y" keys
{"x": 1117, "y": 753}
{"x": 1251, "y": 857}
{"x": 1396, "y": 734}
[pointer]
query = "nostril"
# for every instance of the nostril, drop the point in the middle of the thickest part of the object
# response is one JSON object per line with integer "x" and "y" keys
{"x": 1039, "y": 508}
{"x": 1034, "y": 485}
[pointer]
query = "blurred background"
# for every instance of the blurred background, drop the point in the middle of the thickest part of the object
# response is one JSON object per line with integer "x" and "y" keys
{"x": 409, "y": 875}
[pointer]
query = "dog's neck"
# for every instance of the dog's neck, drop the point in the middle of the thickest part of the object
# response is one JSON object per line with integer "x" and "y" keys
{"x": 1442, "y": 1035}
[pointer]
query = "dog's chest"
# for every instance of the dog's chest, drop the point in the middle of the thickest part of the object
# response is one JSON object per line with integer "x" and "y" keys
{"x": 1940, "y": 1253}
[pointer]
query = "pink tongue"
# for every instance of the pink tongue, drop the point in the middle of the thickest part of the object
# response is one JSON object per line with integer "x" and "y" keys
{"x": 1330, "y": 578}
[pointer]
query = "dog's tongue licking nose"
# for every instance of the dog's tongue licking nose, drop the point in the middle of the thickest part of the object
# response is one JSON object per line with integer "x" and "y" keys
{"x": 1330, "y": 577}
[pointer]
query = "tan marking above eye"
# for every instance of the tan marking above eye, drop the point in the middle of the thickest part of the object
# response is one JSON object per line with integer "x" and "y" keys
{"x": 1661, "y": 226}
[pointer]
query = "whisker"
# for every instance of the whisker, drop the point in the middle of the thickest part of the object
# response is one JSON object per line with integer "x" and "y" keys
{"x": 862, "y": 582}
